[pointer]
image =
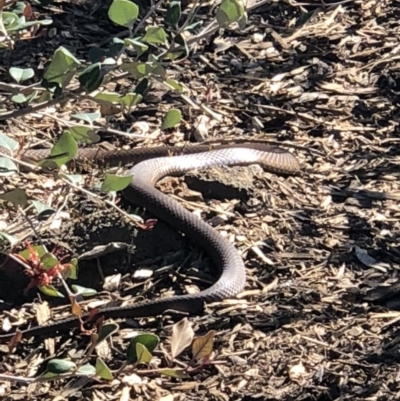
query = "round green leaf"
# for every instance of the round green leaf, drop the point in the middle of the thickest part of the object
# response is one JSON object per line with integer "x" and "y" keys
{"x": 87, "y": 369}
{"x": 17, "y": 197}
{"x": 138, "y": 70}
{"x": 50, "y": 291}
{"x": 174, "y": 84}
{"x": 137, "y": 45}
{"x": 85, "y": 292}
{"x": 7, "y": 167}
{"x": 62, "y": 67}
{"x": 21, "y": 74}
{"x": 62, "y": 152}
{"x": 106, "y": 331}
{"x": 49, "y": 261}
{"x": 82, "y": 133}
{"x": 72, "y": 271}
{"x": 229, "y": 11}
{"x": 113, "y": 182}
{"x": 7, "y": 242}
{"x": 107, "y": 97}
{"x": 42, "y": 207}
{"x": 172, "y": 119}
{"x": 143, "y": 354}
{"x": 131, "y": 99}
{"x": 173, "y": 13}
{"x": 60, "y": 366}
{"x": 103, "y": 370}
{"x": 88, "y": 117}
{"x": 155, "y": 35}
{"x": 8, "y": 143}
{"x": 149, "y": 340}
{"x": 123, "y": 12}
{"x": 39, "y": 249}
{"x": 74, "y": 178}
{"x": 92, "y": 77}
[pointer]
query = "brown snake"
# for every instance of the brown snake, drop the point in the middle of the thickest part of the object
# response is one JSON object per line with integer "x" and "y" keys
{"x": 141, "y": 192}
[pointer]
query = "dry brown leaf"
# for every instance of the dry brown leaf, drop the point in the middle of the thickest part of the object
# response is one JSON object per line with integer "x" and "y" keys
{"x": 182, "y": 336}
{"x": 203, "y": 346}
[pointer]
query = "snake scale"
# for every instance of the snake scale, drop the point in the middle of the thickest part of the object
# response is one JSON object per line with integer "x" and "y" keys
{"x": 153, "y": 164}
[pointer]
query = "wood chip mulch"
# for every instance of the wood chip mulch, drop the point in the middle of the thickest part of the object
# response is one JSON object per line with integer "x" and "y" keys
{"x": 319, "y": 317}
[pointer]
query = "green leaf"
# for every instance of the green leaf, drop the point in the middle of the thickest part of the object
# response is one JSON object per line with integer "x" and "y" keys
{"x": 143, "y": 354}
{"x": 41, "y": 207}
{"x": 51, "y": 291}
{"x": 21, "y": 74}
{"x": 106, "y": 331}
{"x": 49, "y": 261}
{"x": 39, "y": 249}
{"x": 85, "y": 292}
{"x": 17, "y": 197}
{"x": 74, "y": 178}
{"x": 10, "y": 20}
{"x": 19, "y": 99}
{"x": 60, "y": 366}
{"x": 193, "y": 26}
{"x": 182, "y": 51}
{"x": 158, "y": 69}
{"x": 107, "y": 97}
{"x": 7, "y": 167}
{"x": 88, "y": 117}
{"x": 49, "y": 375}
{"x": 113, "y": 182}
{"x": 172, "y": 119}
{"x": 149, "y": 340}
{"x": 174, "y": 85}
{"x": 155, "y": 35}
{"x": 22, "y": 99}
{"x": 138, "y": 70}
{"x": 72, "y": 270}
{"x": 173, "y": 13}
{"x": 7, "y": 242}
{"x": 137, "y": 45}
{"x": 88, "y": 370}
{"x": 62, "y": 152}
{"x": 62, "y": 67}
{"x": 82, "y": 133}
{"x": 229, "y": 11}
{"x": 92, "y": 77}
{"x": 103, "y": 370}
{"x": 8, "y": 143}
{"x": 123, "y": 12}
{"x": 142, "y": 86}
{"x": 130, "y": 100}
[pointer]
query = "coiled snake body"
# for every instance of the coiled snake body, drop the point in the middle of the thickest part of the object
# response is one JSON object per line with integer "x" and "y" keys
{"x": 142, "y": 193}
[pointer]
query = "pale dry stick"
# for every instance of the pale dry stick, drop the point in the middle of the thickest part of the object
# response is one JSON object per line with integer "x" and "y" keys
{"x": 190, "y": 16}
{"x": 322, "y": 4}
{"x": 195, "y": 206}
{"x": 22, "y": 163}
{"x": 12, "y": 87}
{"x": 32, "y": 109}
{"x": 111, "y": 130}
{"x": 28, "y": 380}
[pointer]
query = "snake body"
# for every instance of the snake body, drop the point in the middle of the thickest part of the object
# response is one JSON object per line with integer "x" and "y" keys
{"x": 141, "y": 192}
